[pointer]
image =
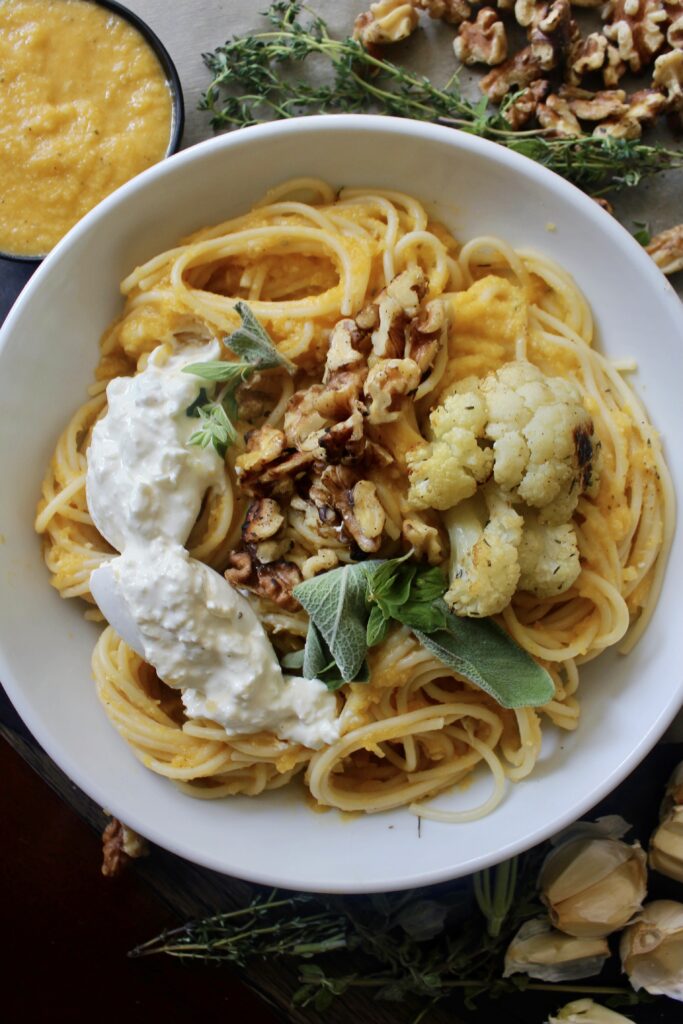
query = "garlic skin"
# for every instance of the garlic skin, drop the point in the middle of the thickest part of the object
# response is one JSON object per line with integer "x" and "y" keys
{"x": 593, "y": 887}
{"x": 544, "y": 953}
{"x": 585, "y": 1011}
{"x": 651, "y": 950}
{"x": 666, "y": 844}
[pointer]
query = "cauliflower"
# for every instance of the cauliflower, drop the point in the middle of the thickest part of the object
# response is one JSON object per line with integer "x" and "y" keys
{"x": 447, "y": 470}
{"x": 543, "y": 442}
{"x": 484, "y": 569}
{"x": 548, "y": 558}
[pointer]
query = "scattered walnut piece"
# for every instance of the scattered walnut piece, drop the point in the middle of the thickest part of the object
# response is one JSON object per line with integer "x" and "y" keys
{"x": 423, "y": 538}
{"x": 452, "y": 11}
{"x": 263, "y": 446}
{"x": 668, "y": 78}
{"x": 604, "y": 203}
{"x": 388, "y": 381}
{"x": 426, "y": 334}
{"x": 666, "y": 250}
{"x": 595, "y": 106}
{"x": 643, "y": 108}
{"x": 587, "y": 3}
{"x": 614, "y": 68}
{"x": 585, "y": 55}
{"x": 524, "y": 106}
{"x": 347, "y": 347}
{"x": 274, "y": 581}
{"x": 392, "y": 309}
{"x": 557, "y": 117}
{"x": 553, "y": 34}
{"x": 636, "y": 29}
{"x": 120, "y": 845}
{"x": 263, "y": 520}
{"x": 357, "y": 503}
{"x": 527, "y": 10}
{"x": 482, "y": 41}
{"x": 388, "y": 21}
{"x": 674, "y": 33}
{"x": 520, "y": 70}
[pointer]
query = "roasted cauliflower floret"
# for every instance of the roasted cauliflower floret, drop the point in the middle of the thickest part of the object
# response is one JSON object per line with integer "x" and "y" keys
{"x": 484, "y": 566}
{"x": 543, "y": 443}
{"x": 448, "y": 469}
{"x": 548, "y": 558}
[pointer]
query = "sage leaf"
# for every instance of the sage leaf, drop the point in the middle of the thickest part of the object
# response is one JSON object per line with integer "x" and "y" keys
{"x": 427, "y": 616}
{"x": 218, "y": 370}
{"x": 317, "y": 658}
{"x": 252, "y": 343}
{"x": 335, "y": 602}
{"x": 377, "y": 626}
{"x": 487, "y": 656}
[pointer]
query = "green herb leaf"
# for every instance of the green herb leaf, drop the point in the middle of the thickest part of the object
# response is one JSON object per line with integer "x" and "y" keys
{"x": 335, "y": 601}
{"x": 377, "y": 626}
{"x": 219, "y": 370}
{"x": 252, "y": 343}
{"x": 642, "y": 235}
{"x": 202, "y": 399}
{"x": 427, "y": 616}
{"x": 486, "y": 655}
{"x": 216, "y": 429}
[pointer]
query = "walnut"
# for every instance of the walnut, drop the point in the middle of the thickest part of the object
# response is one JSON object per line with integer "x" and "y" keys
{"x": 344, "y": 351}
{"x": 587, "y": 3}
{"x": 263, "y": 446}
{"x": 425, "y": 540}
{"x": 426, "y": 334}
{"x": 524, "y": 106}
{"x": 674, "y": 33}
{"x": 357, "y": 503}
{"x": 452, "y": 11}
{"x": 636, "y": 30}
{"x": 274, "y": 581}
{"x": 556, "y": 116}
{"x": 120, "y": 845}
{"x": 520, "y": 70}
{"x": 314, "y": 411}
{"x": 595, "y": 106}
{"x": 668, "y": 78}
{"x": 620, "y": 128}
{"x": 263, "y": 520}
{"x": 482, "y": 41}
{"x": 388, "y": 381}
{"x": 526, "y": 11}
{"x": 585, "y": 55}
{"x": 393, "y": 307}
{"x": 552, "y": 35}
{"x": 345, "y": 441}
{"x": 388, "y": 21}
{"x": 643, "y": 107}
{"x": 613, "y": 68}
{"x": 666, "y": 250}
{"x": 604, "y": 204}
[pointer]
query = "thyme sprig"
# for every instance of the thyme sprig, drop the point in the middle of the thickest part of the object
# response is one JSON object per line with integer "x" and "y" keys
{"x": 399, "y": 945}
{"x": 265, "y": 75}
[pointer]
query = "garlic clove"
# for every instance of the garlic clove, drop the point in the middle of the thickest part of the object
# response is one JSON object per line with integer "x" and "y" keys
{"x": 666, "y": 844}
{"x": 651, "y": 950}
{"x": 549, "y": 955}
{"x": 593, "y": 887}
{"x": 585, "y": 1011}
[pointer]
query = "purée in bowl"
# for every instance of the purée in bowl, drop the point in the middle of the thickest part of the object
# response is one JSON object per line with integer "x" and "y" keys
{"x": 68, "y": 140}
{"x": 475, "y": 189}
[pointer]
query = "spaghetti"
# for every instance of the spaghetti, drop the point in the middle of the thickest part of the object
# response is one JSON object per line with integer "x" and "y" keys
{"x": 303, "y": 258}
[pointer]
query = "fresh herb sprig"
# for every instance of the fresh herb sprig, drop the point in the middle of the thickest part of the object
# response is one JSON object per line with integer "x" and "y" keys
{"x": 262, "y": 76}
{"x": 351, "y": 608}
{"x": 217, "y": 415}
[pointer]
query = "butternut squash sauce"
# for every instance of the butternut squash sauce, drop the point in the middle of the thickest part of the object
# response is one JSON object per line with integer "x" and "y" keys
{"x": 85, "y": 106}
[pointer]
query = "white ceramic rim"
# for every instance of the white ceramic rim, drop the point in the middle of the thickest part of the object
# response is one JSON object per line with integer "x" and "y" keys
{"x": 413, "y": 131}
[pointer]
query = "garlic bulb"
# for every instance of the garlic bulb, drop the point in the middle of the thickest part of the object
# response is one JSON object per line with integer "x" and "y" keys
{"x": 666, "y": 844}
{"x": 593, "y": 886}
{"x": 652, "y": 950}
{"x": 585, "y": 1011}
{"x": 544, "y": 953}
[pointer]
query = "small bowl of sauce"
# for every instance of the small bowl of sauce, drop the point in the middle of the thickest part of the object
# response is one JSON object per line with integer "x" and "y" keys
{"x": 89, "y": 99}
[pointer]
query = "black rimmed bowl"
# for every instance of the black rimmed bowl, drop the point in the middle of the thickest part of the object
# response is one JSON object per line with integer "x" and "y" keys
{"x": 15, "y": 270}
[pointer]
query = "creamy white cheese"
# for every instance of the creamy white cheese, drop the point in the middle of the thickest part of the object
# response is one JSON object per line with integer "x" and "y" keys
{"x": 143, "y": 480}
{"x": 144, "y": 490}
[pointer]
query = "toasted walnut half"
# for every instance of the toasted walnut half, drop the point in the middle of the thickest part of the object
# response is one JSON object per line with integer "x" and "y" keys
{"x": 347, "y": 347}
{"x": 553, "y": 34}
{"x": 614, "y": 68}
{"x": 556, "y": 116}
{"x": 392, "y": 309}
{"x": 668, "y": 78}
{"x": 263, "y": 520}
{"x": 585, "y": 55}
{"x": 388, "y": 21}
{"x": 120, "y": 845}
{"x": 274, "y": 581}
{"x": 452, "y": 11}
{"x": 643, "y": 108}
{"x": 482, "y": 41}
{"x": 525, "y": 105}
{"x": 263, "y": 446}
{"x": 674, "y": 33}
{"x": 388, "y": 381}
{"x": 426, "y": 334}
{"x": 356, "y": 502}
{"x": 637, "y": 30}
{"x": 595, "y": 106}
{"x": 520, "y": 70}
{"x": 666, "y": 250}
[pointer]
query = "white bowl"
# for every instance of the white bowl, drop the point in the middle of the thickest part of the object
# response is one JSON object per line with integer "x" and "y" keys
{"x": 48, "y": 349}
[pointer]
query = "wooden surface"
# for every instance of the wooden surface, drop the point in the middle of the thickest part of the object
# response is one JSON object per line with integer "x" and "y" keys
{"x": 59, "y": 906}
